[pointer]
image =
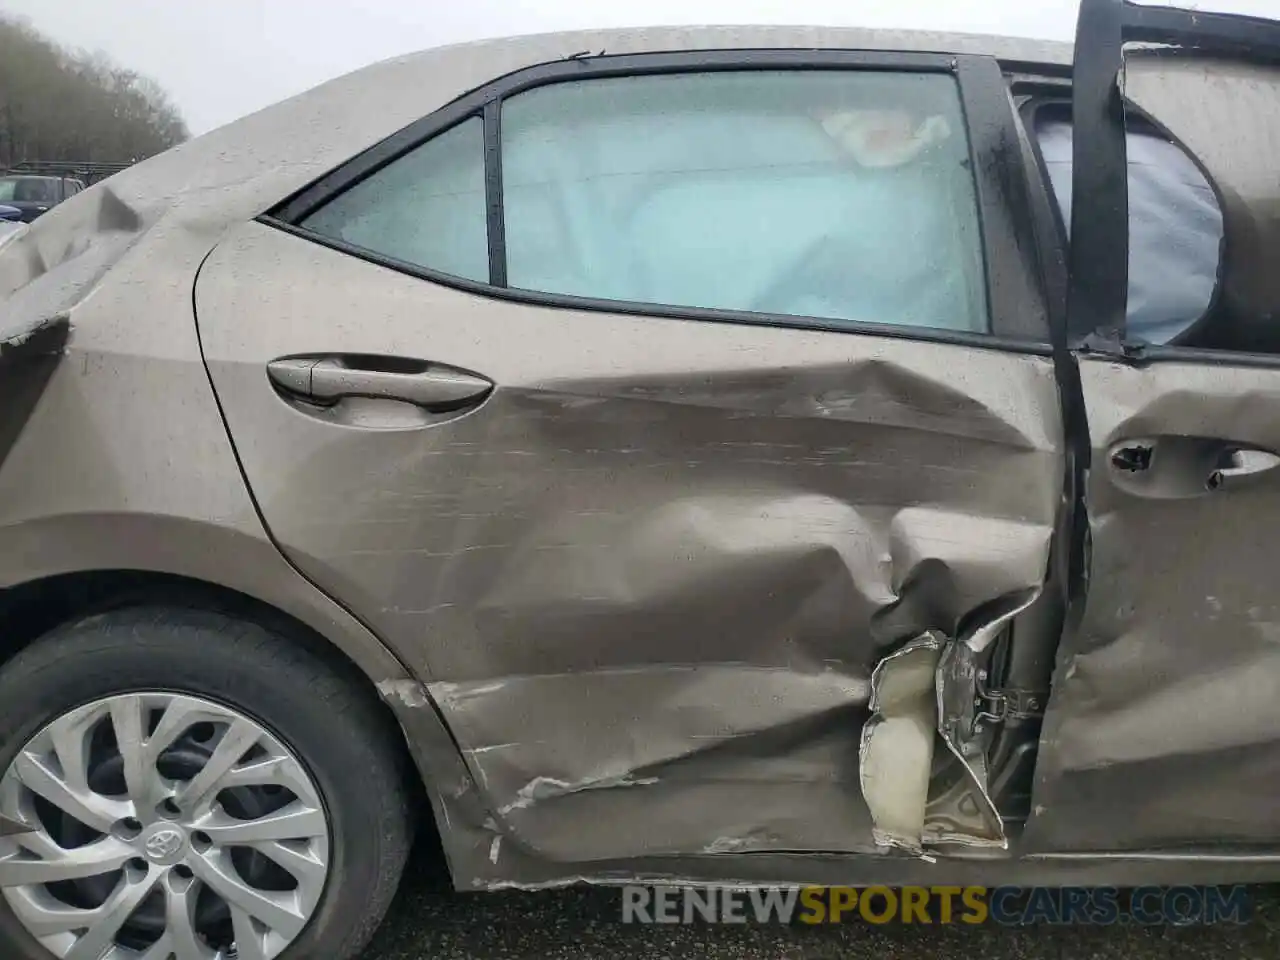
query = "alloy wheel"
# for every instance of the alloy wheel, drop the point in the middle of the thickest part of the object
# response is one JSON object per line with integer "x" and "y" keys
{"x": 160, "y": 826}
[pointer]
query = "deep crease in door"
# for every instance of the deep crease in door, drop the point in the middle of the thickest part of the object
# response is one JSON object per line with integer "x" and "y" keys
{"x": 647, "y": 582}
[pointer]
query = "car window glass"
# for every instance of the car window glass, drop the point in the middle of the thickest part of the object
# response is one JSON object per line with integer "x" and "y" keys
{"x": 26, "y": 189}
{"x": 427, "y": 208}
{"x": 34, "y": 190}
{"x": 833, "y": 194}
{"x": 1175, "y": 229}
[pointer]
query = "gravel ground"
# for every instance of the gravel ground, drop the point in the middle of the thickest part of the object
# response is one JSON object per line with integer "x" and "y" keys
{"x": 429, "y": 921}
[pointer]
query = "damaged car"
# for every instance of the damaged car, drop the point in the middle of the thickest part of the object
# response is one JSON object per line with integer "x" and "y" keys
{"x": 727, "y": 455}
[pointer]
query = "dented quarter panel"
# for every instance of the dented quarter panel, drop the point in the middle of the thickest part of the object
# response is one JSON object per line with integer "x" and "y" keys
{"x": 113, "y": 453}
{"x": 648, "y": 580}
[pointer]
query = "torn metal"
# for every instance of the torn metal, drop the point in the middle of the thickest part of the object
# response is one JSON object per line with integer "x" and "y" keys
{"x": 646, "y": 601}
{"x": 930, "y": 692}
{"x": 896, "y": 750}
{"x": 649, "y": 598}
{"x": 683, "y": 591}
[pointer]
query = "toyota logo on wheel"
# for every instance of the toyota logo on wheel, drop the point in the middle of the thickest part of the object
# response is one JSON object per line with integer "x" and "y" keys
{"x": 163, "y": 844}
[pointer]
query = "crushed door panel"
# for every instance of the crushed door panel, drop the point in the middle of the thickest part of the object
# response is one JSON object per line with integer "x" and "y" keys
{"x": 649, "y": 579}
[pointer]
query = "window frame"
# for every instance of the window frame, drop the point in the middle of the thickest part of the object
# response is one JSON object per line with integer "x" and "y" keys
{"x": 1096, "y": 308}
{"x": 1018, "y": 314}
{"x": 1039, "y": 101}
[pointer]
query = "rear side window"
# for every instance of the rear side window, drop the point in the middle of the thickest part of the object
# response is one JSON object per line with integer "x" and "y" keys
{"x": 836, "y": 194}
{"x": 1175, "y": 226}
{"x": 427, "y": 208}
{"x": 843, "y": 195}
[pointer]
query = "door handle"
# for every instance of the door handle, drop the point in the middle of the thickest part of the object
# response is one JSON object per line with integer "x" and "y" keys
{"x": 330, "y": 379}
{"x": 1172, "y": 466}
{"x": 1240, "y": 463}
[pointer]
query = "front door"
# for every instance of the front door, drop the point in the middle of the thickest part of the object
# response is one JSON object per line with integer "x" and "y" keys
{"x": 646, "y": 445}
{"x": 1163, "y": 732}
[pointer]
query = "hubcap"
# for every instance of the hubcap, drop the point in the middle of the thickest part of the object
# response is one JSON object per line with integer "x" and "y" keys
{"x": 165, "y": 845}
{"x": 157, "y": 826}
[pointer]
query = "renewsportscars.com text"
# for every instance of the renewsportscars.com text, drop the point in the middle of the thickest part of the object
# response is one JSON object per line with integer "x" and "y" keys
{"x": 1008, "y": 906}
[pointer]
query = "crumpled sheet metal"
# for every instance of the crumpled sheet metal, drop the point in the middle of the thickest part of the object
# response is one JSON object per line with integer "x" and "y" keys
{"x": 45, "y": 271}
{"x": 897, "y": 743}
{"x": 694, "y": 758}
{"x": 961, "y": 809}
{"x": 647, "y": 582}
{"x": 1163, "y": 732}
{"x": 892, "y": 564}
{"x": 29, "y": 353}
{"x": 691, "y": 752}
{"x": 665, "y": 761}
{"x": 923, "y": 766}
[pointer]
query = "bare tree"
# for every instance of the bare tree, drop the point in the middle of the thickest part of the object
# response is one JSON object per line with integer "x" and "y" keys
{"x": 57, "y": 104}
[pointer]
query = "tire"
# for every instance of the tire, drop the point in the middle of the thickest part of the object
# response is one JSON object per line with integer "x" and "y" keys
{"x": 335, "y": 731}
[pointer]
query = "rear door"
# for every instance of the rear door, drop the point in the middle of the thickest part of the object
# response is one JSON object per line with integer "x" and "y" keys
{"x": 645, "y": 405}
{"x": 1163, "y": 732}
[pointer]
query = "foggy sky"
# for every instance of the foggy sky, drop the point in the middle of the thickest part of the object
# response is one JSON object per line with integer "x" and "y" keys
{"x": 220, "y": 60}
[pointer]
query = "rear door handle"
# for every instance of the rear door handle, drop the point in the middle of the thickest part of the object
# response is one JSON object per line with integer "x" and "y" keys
{"x": 330, "y": 379}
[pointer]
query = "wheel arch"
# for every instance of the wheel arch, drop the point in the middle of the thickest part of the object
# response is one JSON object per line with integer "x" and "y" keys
{"x": 32, "y": 609}
{"x": 435, "y": 770}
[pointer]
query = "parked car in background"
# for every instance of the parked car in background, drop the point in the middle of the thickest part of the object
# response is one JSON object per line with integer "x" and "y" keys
{"x": 36, "y": 195}
{"x": 748, "y": 455}
{"x": 10, "y": 222}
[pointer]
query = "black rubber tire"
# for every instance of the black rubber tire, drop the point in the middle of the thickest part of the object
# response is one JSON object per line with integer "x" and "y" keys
{"x": 335, "y": 728}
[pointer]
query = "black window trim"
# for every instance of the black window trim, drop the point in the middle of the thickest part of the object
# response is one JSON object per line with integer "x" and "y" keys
{"x": 1099, "y": 265}
{"x": 495, "y": 218}
{"x": 1039, "y": 102}
{"x": 1017, "y": 310}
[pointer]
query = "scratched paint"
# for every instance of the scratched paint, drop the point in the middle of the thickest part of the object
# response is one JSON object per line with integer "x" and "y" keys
{"x": 646, "y": 585}
{"x": 664, "y": 582}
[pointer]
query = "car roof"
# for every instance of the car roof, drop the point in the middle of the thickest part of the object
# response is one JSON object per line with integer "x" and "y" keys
{"x": 291, "y": 142}
{"x": 539, "y": 47}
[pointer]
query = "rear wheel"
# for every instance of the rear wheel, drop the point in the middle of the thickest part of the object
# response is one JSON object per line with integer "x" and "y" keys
{"x": 177, "y": 784}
